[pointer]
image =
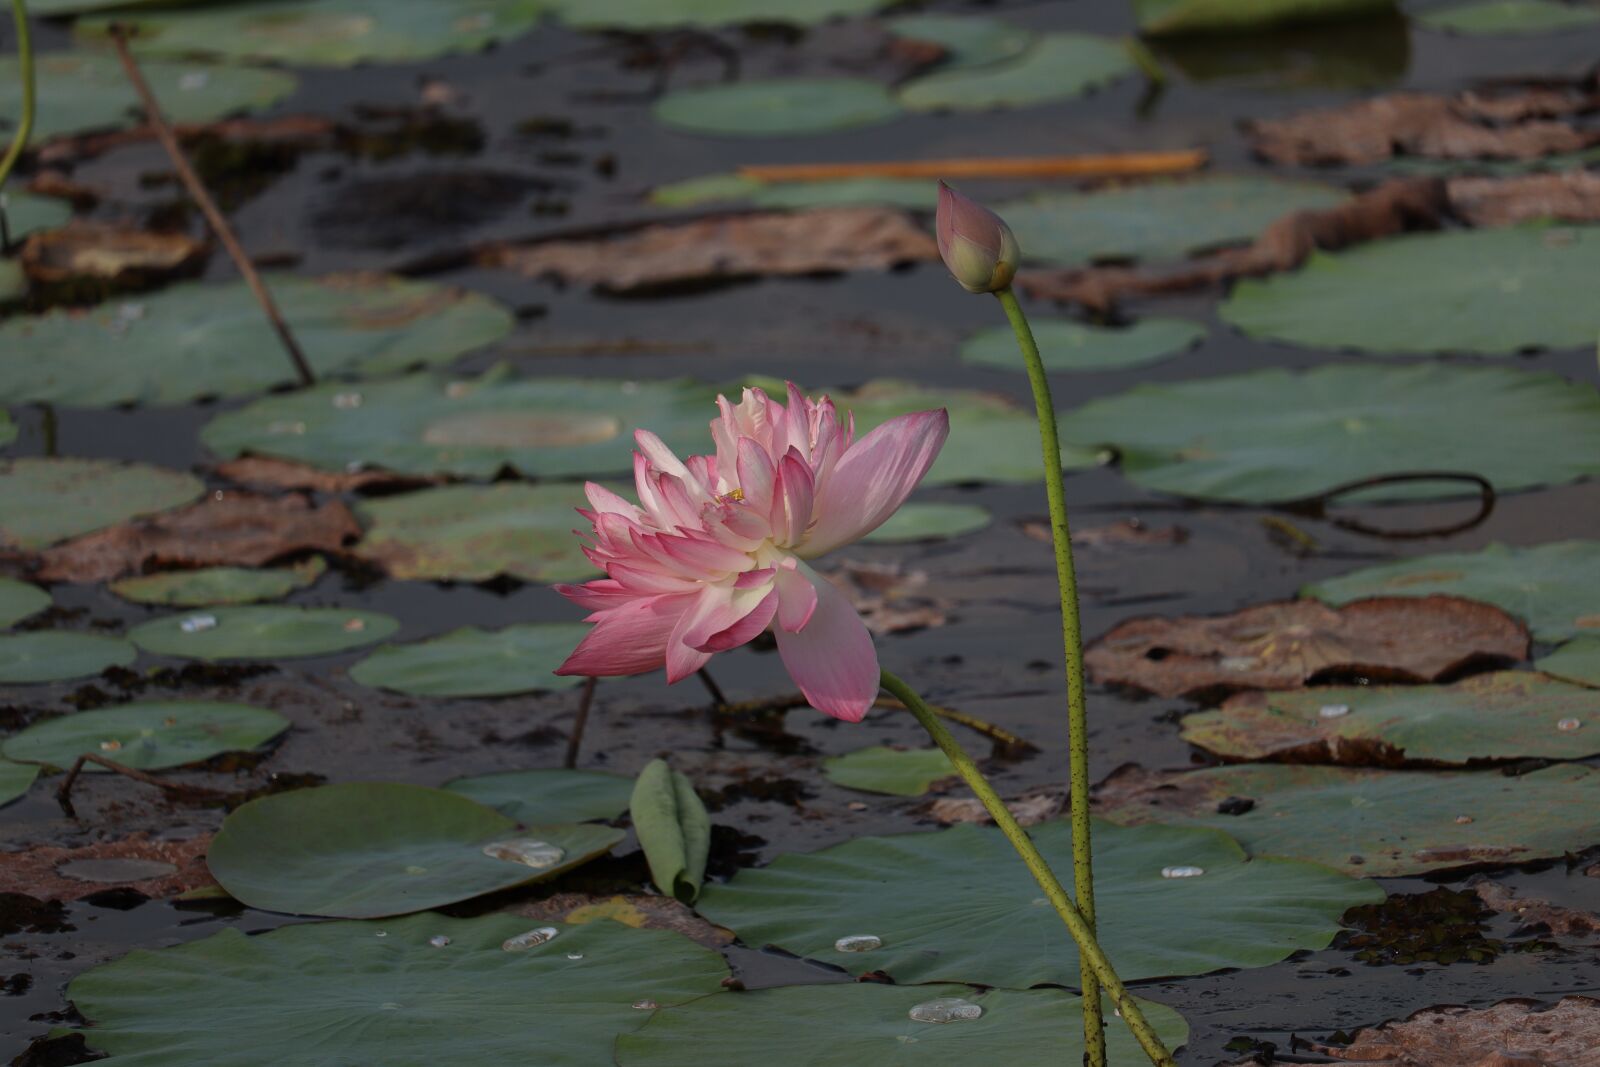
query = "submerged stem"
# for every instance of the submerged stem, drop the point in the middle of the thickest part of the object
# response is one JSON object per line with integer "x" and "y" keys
{"x": 19, "y": 140}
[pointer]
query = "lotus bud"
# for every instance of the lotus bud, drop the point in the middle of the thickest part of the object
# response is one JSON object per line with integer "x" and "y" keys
{"x": 975, "y": 243}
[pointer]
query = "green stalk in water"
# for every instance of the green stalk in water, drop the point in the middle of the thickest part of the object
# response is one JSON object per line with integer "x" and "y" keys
{"x": 19, "y": 140}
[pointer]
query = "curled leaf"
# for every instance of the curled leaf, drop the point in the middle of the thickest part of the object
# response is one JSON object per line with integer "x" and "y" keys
{"x": 674, "y": 829}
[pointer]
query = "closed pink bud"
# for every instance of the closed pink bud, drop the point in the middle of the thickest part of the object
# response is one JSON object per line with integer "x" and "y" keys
{"x": 975, "y": 243}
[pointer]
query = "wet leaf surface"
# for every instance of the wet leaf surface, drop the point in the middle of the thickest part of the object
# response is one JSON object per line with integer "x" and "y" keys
{"x": 666, "y": 14}
{"x": 219, "y": 585}
{"x": 1513, "y": 1033}
{"x": 930, "y": 522}
{"x": 18, "y": 600}
{"x": 641, "y": 912}
{"x": 1075, "y": 346}
{"x": 1508, "y": 16}
{"x": 470, "y": 662}
{"x": 261, "y": 631}
{"x": 26, "y": 212}
{"x": 780, "y": 108}
{"x": 900, "y": 772}
{"x": 146, "y": 736}
{"x": 1055, "y": 66}
{"x": 15, "y": 778}
{"x": 1576, "y": 661}
{"x": 553, "y": 795}
{"x": 967, "y": 40}
{"x": 56, "y": 655}
{"x": 43, "y": 501}
{"x": 158, "y": 868}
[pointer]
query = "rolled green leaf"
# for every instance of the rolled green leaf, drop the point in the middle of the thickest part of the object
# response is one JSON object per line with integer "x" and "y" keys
{"x": 674, "y": 829}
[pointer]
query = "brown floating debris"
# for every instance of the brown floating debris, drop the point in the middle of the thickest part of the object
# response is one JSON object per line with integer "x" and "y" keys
{"x": 109, "y": 258}
{"x": 1559, "y": 920}
{"x": 305, "y": 131}
{"x": 1569, "y": 196}
{"x": 155, "y": 868}
{"x": 888, "y": 597}
{"x": 1118, "y": 165}
{"x": 636, "y": 910}
{"x": 1028, "y": 810}
{"x": 1512, "y": 1033}
{"x": 265, "y": 472}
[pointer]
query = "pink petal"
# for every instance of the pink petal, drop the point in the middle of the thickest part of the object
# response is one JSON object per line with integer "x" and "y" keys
{"x": 797, "y": 599}
{"x": 752, "y": 622}
{"x": 661, "y": 457}
{"x": 832, "y": 658}
{"x": 756, "y": 475}
{"x": 630, "y": 639}
{"x": 598, "y": 595}
{"x": 604, "y": 501}
{"x": 710, "y": 610}
{"x": 874, "y": 478}
{"x": 795, "y": 487}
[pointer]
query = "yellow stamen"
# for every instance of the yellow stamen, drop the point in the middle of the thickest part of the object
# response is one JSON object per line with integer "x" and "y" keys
{"x": 731, "y": 496}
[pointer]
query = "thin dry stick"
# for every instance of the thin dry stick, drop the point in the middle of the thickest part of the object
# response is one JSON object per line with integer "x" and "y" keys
{"x": 579, "y": 722}
{"x": 717, "y": 696}
{"x": 1120, "y": 165}
{"x": 197, "y": 191}
{"x": 64, "y": 791}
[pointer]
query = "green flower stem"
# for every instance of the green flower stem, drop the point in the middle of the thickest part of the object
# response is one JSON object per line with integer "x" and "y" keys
{"x": 1072, "y": 640}
{"x": 1095, "y": 963}
{"x": 19, "y": 140}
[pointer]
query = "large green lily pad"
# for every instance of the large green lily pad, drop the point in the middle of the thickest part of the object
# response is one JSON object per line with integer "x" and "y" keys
{"x": 1476, "y": 292}
{"x": 15, "y": 779}
{"x": 1077, "y": 346}
{"x": 470, "y": 662}
{"x": 149, "y": 736}
{"x": 778, "y": 108}
{"x": 1382, "y": 824}
{"x": 25, "y": 212}
{"x": 714, "y": 188}
{"x": 1576, "y": 661}
{"x": 58, "y": 655}
{"x": 18, "y": 600}
{"x": 957, "y": 904}
{"x": 1177, "y": 17}
{"x": 667, "y": 14}
{"x": 203, "y": 339}
{"x": 1554, "y": 588}
{"x": 219, "y": 585}
{"x": 367, "y": 849}
{"x": 869, "y": 1023}
{"x": 900, "y": 772}
{"x": 418, "y": 991}
{"x": 1159, "y": 220}
{"x": 968, "y": 40}
{"x": 43, "y": 501}
{"x": 554, "y": 795}
{"x": 83, "y": 91}
{"x": 261, "y": 631}
{"x": 1275, "y": 435}
{"x": 930, "y": 522}
{"x": 1508, "y": 17}
{"x": 1056, "y": 66}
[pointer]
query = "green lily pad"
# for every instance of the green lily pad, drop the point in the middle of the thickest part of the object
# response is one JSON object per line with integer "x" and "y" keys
{"x": 148, "y": 737}
{"x": 930, "y": 522}
{"x": 1508, "y": 17}
{"x": 968, "y": 40}
{"x": 56, "y": 656}
{"x": 1076, "y": 346}
{"x": 958, "y": 903}
{"x": 667, "y": 14}
{"x": 43, "y": 501}
{"x": 367, "y": 849}
{"x": 715, "y": 188}
{"x": 1055, "y": 66}
{"x": 13, "y": 287}
{"x": 1381, "y": 824}
{"x": 1176, "y": 17}
{"x": 867, "y": 1022}
{"x": 264, "y": 631}
{"x": 18, "y": 600}
{"x": 554, "y": 795}
{"x": 25, "y": 212}
{"x": 898, "y": 772}
{"x": 219, "y": 585}
{"x": 430, "y": 990}
{"x": 473, "y": 533}
{"x": 778, "y": 108}
{"x": 1576, "y": 661}
{"x": 15, "y": 779}
{"x": 1475, "y": 292}
{"x": 470, "y": 662}
{"x": 202, "y": 339}
{"x": 1275, "y": 435}
{"x": 1554, "y": 588}
{"x": 83, "y": 91}
{"x": 1158, "y": 220}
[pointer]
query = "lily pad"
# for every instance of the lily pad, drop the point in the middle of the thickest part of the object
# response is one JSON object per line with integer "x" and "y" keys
{"x": 15, "y": 779}
{"x": 1075, "y": 346}
{"x": 1177, "y": 17}
{"x": 148, "y": 737}
{"x": 1159, "y": 220}
{"x": 1555, "y": 588}
{"x": 554, "y": 795}
{"x": 18, "y": 600}
{"x": 56, "y": 656}
{"x": 83, "y": 91}
{"x": 1381, "y": 824}
{"x": 1055, "y": 66}
{"x": 715, "y": 188}
{"x": 202, "y": 339}
{"x": 778, "y": 108}
{"x": 1508, "y": 17}
{"x": 1491, "y": 292}
{"x": 219, "y": 585}
{"x": 930, "y": 522}
{"x": 43, "y": 501}
{"x": 899, "y": 772}
{"x": 1576, "y": 661}
{"x": 367, "y": 849}
{"x": 470, "y": 662}
{"x": 430, "y": 990}
{"x": 870, "y": 1023}
{"x": 265, "y": 631}
{"x": 1276, "y": 435}
{"x": 968, "y": 40}
{"x": 25, "y": 212}
{"x": 958, "y": 903}
{"x": 13, "y": 287}
{"x": 667, "y": 14}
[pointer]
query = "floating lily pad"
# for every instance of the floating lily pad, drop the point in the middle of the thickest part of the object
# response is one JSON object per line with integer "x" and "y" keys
{"x": 15, "y": 778}
{"x": 899, "y": 772}
{"x": 1382, "y": 824}
{"x": 713, "y": 188}
{"x": 83, "y": 91}
{"x": 219, "y": 585}
{"x": 430, "y": 990}
{"x": 930, "y": 522}
{"x": 147, "y": 737}
{"x": 665, "y": 14}
{"x": 265, "y": 631}
{"x": 43, "y": 501}
{"x": 958, "y": 902}
{"x": 1077, "y": 346}
{"x": 470, "y": 662}
{"x": 204, "y": 339}
{"x": 1055, "y": 66}
{"x": 1275, "y": 435}
{"x": 25, "y": 212}
{"x": 18, "y": 600}
{"x": 1555, "y": 588}
{"x": 555, "y": 795}
{"x": 1177, "y": 17}
{"x": 1576, "y": 661}
{"x": 870, "y": 1023}
{"x": 779, "y": 108}
{"x": 1159, "y": 220}
{"x": 13, "y": 287}
{"x": 1477, "y": 292}
{"x": 55, "y": 656}
{"x": 1508, "y": 17}
{"x": 968, "y": 40}
{"x": 368, "y": 849}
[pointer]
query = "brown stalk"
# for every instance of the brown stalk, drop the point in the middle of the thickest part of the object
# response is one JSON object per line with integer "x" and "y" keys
{"x": 1120, "y": 165}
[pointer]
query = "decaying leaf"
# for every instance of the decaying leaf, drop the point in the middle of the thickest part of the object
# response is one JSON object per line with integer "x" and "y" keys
{"x": 1294, "y": 643}
{"x": 265, "y": 472}
{"x": 1513, "y": 1033}
{"x": 109, "y": 257}
{"x": 1125, "y": 533}
{"x": 155, "y": 868}
{"x": 886, "y": 596}
{"x": 302, "y": 131}
{"x": 1559, "y": 920}
{"x": 1570, "y": 196}
{"x": 1034, "y": 808}
{"x": 636, "y": 910}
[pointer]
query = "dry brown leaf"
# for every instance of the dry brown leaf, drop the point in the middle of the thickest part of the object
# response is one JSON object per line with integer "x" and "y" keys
{"x": 1513, "y": 1033}
{"x": 1563, "y": 921}
{"x": 636, "y": 910}
{"x": 1028, "y": 810}
{"x": 885, "y": 595}
{"x": 264, "y": 472}
{"x": 114, "y": 256}
{"x": 308, "y": 131}
{"x": 1294, "y": 643}
{"x": 1571, "y": 196}
{"x": 154, "y": 868}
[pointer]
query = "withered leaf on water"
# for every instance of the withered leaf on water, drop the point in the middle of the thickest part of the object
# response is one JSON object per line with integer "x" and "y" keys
{"x": 1559, "y": 920}
{"x": 1569, "y": 196}
{"x": 636, "y": 910}
{"x": 888, "y": 597}
{"x": 114, "y": 256}
{"x": 265, "y": 472}
{"x": 1512, "y": 1033}
{"x": 1028, "y": 810}
{"x": 155, "y": 868}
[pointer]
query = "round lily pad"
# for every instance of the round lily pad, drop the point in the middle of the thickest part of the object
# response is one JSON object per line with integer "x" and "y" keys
{"x": 555, "y": 795}
{"x": 1076, "y": 346}
{"x": 666, "y": 14}
{"x": 712, "y": 188}
{"x": 1508, "y": 17}
{"x": 900, "y": 772}
{"x": 43, "y": 501}
{"x": 15, "y": 779}
{"x": 1159, "y": 220}
{"x": 57, "y": 655}
{"x": 13, "y": 287}
{"x": 18, "y": 600}
{"x": 1489, "y": 292}
{"x": 1576, "y": 661}
{"x": 1276, "y": 435}
{"x": 871, "y": 1023}
{"x": 470, "y": 662}
{"x": 780, "y": 108}
{"x": 968, "y": 40}
{"x": 368, "y": 849}
{"x": 25, "y": 212}
{"x": 266, "y": 631}
{"x": 958, "y": 904}
{"x": 929, "y": 522}
{"x": 1055, "y": 66}
{"x": 219, "y": 585}
{"x": 148, "y": 737}
{"x": 411, "y": 992}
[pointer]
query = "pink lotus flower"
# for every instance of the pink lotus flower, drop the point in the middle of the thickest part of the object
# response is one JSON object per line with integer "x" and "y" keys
{"x": 715, "y": 553}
